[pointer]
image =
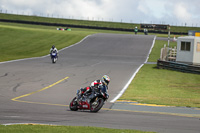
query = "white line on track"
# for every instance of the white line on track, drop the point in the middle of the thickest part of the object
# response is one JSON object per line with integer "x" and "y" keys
{"x": 134, "y": 74}
{"x": 12, "y": 116}
{"x": 8, "y": 124}
{"x": 45, "y": 55}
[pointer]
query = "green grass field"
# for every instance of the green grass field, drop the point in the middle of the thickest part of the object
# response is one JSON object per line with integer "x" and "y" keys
{"x": 164, "y": 87}
{"x": 61, "y": 129}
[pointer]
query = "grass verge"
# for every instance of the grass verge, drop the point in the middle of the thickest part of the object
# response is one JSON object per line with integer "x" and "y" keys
{"x": 61, "y": 129}
{"x": 164, "y": 87}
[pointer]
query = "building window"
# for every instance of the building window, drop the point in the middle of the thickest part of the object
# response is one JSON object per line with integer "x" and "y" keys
{"x": 198, "y": 47}
{"x": 185, "y": 46}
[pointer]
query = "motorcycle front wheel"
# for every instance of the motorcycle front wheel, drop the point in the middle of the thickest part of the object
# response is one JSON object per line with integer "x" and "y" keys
{"x": 73, "y": 105}
{"x": 53, "y": 60}
{"x": 96, "y": 105}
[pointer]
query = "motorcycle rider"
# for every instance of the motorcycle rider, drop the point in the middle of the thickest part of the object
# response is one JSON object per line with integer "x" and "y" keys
{"x": 54, "y": 50}
{"x": 136, "y": 30}
{"x": 97, "y": 84}
{"x": 145, "y": 31}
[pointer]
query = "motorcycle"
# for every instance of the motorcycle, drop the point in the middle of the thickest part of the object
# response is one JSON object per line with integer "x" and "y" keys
{"x": 145, "y": 31}
{"x": 54, "y": 57}
{"x": 93, "y": 101}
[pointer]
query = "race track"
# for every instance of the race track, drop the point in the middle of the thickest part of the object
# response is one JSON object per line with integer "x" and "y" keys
{"x": 37, "y": 91}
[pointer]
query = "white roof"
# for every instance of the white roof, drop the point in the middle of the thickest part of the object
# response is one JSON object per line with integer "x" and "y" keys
{"x": 189, "y": 37}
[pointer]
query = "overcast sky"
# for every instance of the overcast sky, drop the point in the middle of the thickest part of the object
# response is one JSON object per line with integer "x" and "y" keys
{"x": 173, "y": 12}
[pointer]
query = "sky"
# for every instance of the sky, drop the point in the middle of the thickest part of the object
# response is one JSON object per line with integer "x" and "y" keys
{"x": 172, "y": 12}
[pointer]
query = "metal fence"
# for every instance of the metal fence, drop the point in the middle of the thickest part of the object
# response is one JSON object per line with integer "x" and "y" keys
{"x": 178, "y": 67}
{"x": 168, "y": 54}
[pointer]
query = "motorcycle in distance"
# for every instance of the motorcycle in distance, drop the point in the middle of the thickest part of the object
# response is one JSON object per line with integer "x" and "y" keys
{"x": 93, "y": 101}
{"x": 54, "y": 57}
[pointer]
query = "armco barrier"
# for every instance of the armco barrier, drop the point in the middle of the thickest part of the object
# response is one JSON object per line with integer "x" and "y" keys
{"x": 87, "y": 27}
{"x": 178, "y": 66}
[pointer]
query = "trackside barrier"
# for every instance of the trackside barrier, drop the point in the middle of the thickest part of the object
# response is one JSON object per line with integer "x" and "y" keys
{"x": 178, "y": 67}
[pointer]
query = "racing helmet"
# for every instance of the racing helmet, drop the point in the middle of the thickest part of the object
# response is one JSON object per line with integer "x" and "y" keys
{"x": 53, "y": 47}
{"x": 105, "y": 79}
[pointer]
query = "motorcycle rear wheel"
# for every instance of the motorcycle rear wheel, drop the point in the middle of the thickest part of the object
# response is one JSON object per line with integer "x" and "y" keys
{"x": 73, "y": 105}
{"x": 96, "y": 105}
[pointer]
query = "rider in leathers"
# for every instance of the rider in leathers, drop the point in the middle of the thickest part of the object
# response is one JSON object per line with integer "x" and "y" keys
{"x": 96, "y": 85}
{"x": 53, "y": 49}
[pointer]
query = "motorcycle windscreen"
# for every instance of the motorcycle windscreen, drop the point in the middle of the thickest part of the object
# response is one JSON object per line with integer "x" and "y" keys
{"x": 54, "y": 53}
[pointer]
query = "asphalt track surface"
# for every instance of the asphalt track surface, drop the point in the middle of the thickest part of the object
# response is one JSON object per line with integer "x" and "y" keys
{"x": 37, "y": 91}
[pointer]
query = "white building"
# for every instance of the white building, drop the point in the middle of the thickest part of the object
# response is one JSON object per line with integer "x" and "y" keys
{"x": 188, "y": 50}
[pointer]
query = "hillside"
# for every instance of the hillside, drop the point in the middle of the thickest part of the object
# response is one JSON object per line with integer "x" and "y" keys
{"x": 97, "y": 24}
